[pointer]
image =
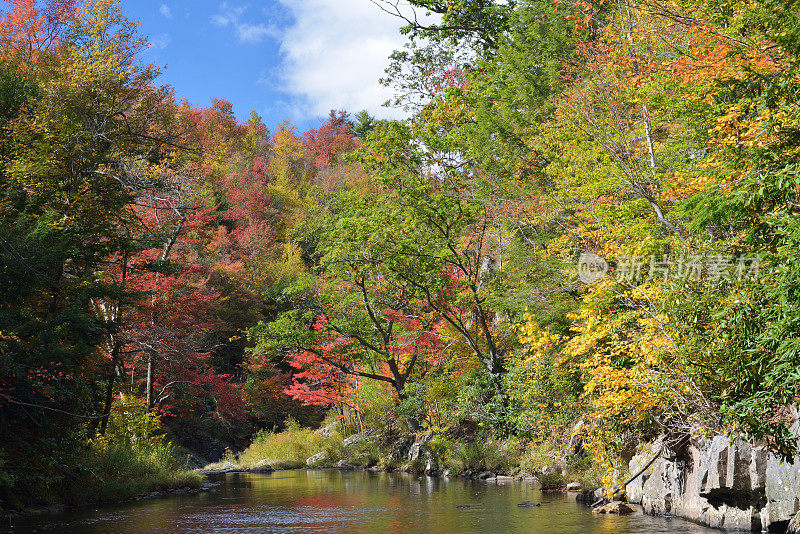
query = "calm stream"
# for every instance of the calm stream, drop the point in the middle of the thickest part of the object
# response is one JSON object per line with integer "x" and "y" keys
{"x": 353, "y": 502}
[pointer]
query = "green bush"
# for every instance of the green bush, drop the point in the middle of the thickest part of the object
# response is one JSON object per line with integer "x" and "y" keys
{"x": 287, "y": 449}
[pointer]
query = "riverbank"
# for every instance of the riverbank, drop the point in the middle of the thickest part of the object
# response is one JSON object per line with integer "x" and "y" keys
{"x": 422, "y": 453}
{"x": 108, "y": 474}
{"x": 6, "y": 517}
{"x": 717, "y": 482}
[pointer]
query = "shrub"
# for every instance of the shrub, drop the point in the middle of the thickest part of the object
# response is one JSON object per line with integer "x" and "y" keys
{"x": 287, "y": 449}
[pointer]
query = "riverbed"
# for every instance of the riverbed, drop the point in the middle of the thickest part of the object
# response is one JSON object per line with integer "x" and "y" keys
{"x": 336, "y": 502}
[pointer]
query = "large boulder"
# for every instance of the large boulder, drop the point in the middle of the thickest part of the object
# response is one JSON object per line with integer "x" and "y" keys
{"x": 421, "y": 452}
{"x": 719, "y": 482}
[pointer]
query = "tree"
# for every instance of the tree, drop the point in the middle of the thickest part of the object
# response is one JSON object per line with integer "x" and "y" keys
{"x": 469, "y": 20}
{"x": 363, "y": 125}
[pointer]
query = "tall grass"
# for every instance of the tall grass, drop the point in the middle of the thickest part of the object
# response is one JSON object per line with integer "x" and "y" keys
{"x": 117, "y": 472}
{"x": 288, "y": 449}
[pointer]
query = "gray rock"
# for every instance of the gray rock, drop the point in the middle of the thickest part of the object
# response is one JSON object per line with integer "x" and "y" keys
{"x": 431, "y": 464}
{"x": 573, "y": 486}
{"x": 355, "y": 438}
{"x": 328, "y": 429}
{"x": 316, "y": 459}
{"x": 421, "y": 451}
{"x": 484, "y": 475}
{"x": 722, "y": 483}
{"x": 415, "y": 451}
{"x": 399, "y": 451}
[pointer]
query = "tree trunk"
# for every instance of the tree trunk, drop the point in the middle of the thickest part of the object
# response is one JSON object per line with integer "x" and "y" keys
{"x": 109, "y": 399}
{"x": 117, "y": 370}
{"x": 150, "y": 371}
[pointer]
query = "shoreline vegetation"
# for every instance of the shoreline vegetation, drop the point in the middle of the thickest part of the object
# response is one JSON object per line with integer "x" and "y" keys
{"x": 331, "y": 447}
{"x": 113, "y": 474}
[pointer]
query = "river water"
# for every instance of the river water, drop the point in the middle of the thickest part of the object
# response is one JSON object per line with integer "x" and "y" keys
{"x": 322, "y": 502}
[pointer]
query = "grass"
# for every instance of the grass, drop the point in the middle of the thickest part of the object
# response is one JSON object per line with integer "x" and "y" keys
{"x": 119, "y": 472}
{"x": 288, "y": 449}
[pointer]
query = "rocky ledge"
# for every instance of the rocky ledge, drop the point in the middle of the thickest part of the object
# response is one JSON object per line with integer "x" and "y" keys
{"x": 721, "y": 483}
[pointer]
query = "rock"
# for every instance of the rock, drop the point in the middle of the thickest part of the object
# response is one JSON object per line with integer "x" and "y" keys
{"x": 420, "y": 451}
{"x": 415, "y": 451}
{"x": 589, "y": 497}
{"x": 317, "y": 459}
{"x": 344, "y": 466}
{"x": 485, "y": 475}
{"x": 431, "y": 465}
{"x": 504, "y": 479}
{"x": 573, "y": 486}
{"x": 531, "y": 480}
{"x": 355, "y": 438}
{"x": 794, "y": 525}
{"x": 399, "y": 451}
{"x": 575, "y": 444}
{"x": 719, "y": 482}
{"x": 262, "y": 467}
{"x": 615, "y": 507}
{"x": 328, "y": 429}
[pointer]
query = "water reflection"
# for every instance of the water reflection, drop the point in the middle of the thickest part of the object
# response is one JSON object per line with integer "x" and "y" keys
{"x": 322, "y": 502}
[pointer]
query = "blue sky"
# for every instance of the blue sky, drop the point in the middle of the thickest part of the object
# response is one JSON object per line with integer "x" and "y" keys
{"x": 286, "y": 59}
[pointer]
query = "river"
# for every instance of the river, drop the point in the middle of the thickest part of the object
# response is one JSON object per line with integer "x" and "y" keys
{"x": 323, "y": 502}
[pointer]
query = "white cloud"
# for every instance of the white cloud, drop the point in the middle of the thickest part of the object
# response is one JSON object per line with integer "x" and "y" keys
{"x": 227, "y": 15}
{"x": 335, "y": 52}
{"x": 230, "y": 16}
{"x": 255, "y": 33}
{"x": 165, "y": 11}
{"x": 161, "y": 42}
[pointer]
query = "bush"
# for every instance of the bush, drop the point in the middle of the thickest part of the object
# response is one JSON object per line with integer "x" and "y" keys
{"x": 492, "y": 455}
{"x": 287, "y": 449}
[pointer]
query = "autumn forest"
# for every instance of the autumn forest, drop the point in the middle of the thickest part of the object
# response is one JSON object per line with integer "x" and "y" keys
{"x": 583, "y": 237}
